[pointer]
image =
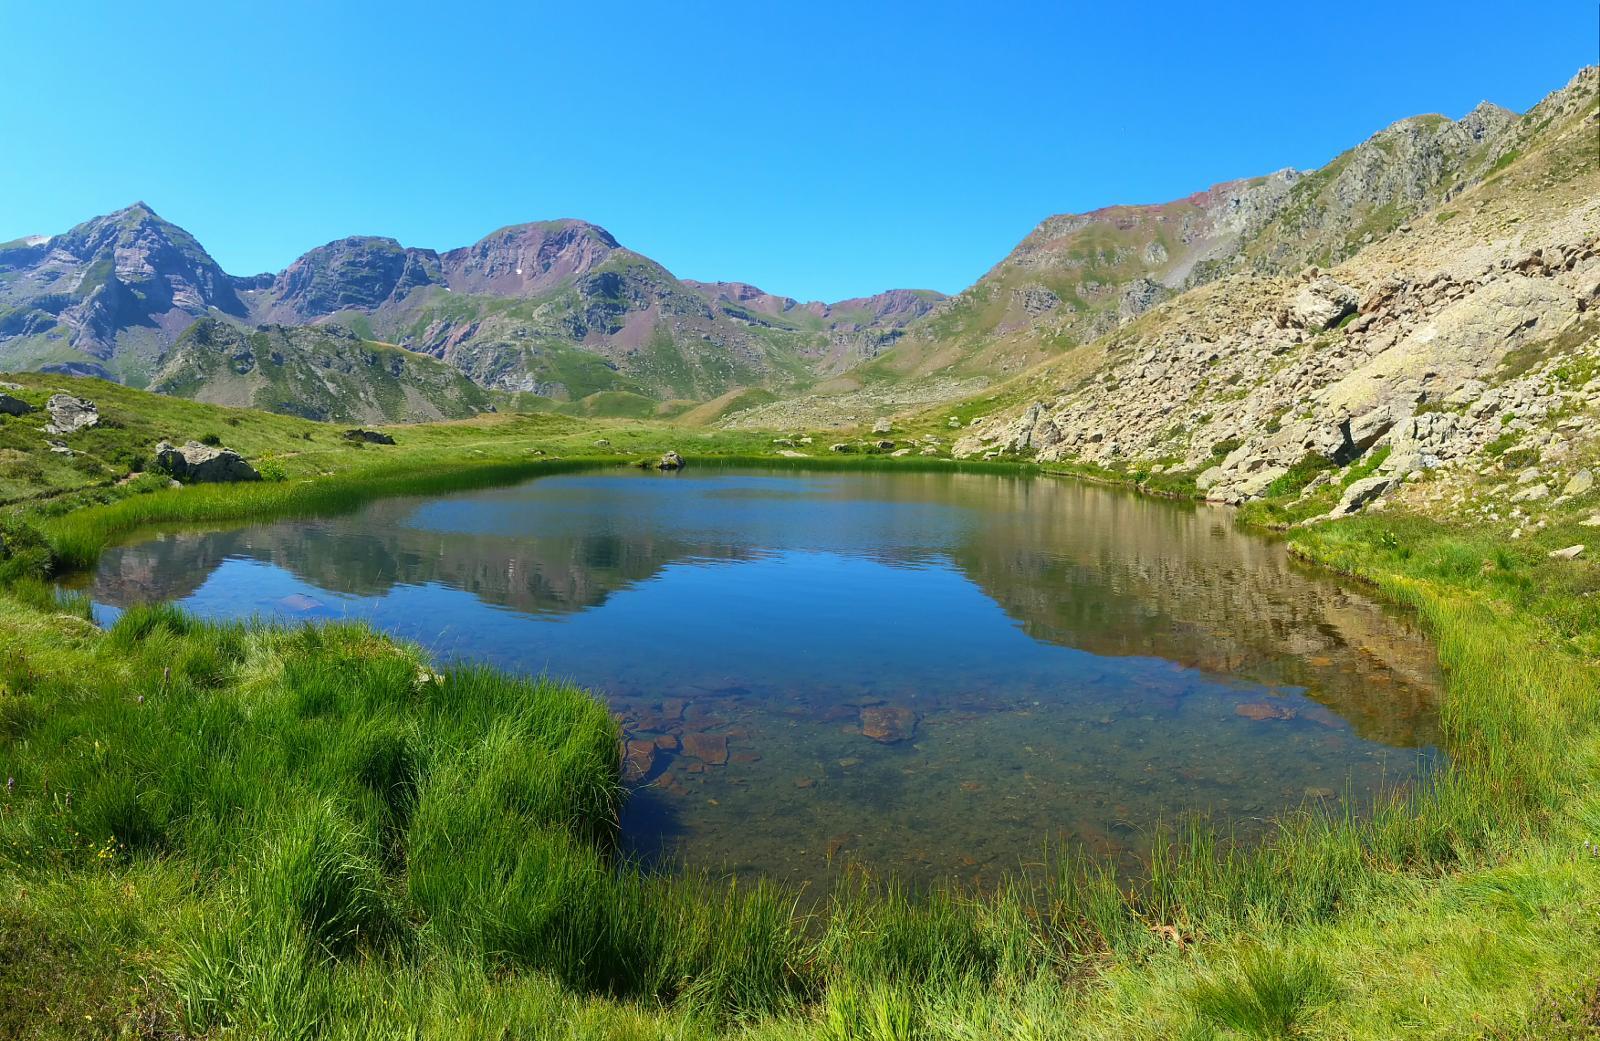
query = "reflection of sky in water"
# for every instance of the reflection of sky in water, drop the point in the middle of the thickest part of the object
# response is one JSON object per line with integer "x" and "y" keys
{"x": 1076, "y": 662}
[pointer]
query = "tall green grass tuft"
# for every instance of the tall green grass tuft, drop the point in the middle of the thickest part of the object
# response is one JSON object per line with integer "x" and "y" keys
{"x": 1269, "y": 996}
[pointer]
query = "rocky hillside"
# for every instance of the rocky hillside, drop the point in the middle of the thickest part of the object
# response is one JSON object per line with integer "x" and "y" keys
{"x": 1079, "y": 277}
{"x": 325, "y": 373}
{"x": 1463, "y": 345}
{"x": 108, "y": 297}
{"x": 558, "y": 309}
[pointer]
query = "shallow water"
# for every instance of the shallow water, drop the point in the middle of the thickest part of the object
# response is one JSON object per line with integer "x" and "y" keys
{"x": 934, "y": 674}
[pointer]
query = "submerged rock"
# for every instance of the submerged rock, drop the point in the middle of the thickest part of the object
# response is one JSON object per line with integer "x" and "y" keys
{"x": 638, "y": 759}
{"x": 200, "y": 463}
{"x": 69, "y": 414}
{"x": 711, "y": 749}
{"x": 888, "y": 724}
{"x": 1261, "y": 710}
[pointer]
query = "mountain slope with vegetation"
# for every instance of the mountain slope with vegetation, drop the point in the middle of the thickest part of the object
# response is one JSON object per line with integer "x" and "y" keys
{"x": 319, "y": 372}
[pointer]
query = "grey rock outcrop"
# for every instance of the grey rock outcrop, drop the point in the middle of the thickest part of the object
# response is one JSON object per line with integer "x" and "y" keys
{"x": 69, "y": 414}
{"x": 1363, "y": 492}
{"x": 196, "y": 463}
{"x": 670, "y": 461}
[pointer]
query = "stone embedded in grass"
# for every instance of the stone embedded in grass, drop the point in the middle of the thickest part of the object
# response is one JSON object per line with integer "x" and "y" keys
{"x": 200, "y": 463}
{"x": 10, "y": 406}
{"x": 69, "y": 414}
{"x": 1569, "y": 553}
{"x": 888, "y": 724}
{"x": 370, "y": 437}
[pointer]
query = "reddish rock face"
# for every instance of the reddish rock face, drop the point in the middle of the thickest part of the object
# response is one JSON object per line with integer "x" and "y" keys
{"x": 708, "y": 748}
{"x": 888, "y": 724}
{"x": 1260, "y": 710}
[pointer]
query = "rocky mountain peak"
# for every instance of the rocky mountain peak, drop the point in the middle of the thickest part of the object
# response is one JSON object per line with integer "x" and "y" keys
{"x": 359, "y": 272}
{"x": 529, "y": 259}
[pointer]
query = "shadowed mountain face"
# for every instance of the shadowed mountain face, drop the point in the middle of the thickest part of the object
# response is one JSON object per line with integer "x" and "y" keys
{"x": 939, "y": 672}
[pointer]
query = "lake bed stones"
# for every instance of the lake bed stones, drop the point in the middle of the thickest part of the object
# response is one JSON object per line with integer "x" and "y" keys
{"x": 711, "y": 749}
{"x": 888, "y": 724}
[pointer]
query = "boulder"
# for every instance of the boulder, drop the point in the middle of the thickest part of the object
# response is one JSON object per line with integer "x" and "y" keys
{"x": 882, "y": 426}
{"x": 198, "y": 464}
{"x": 1581, "y": 482}
{"x": 1533, "y": 493}
{"x": 1321, "y": 303}
{"x": 69, "y": 414}
{"x": 670, "y": 461}
{"x": 883, "y": 446}
{"x": 1570, "y": 553}
{"x": 10, "y": 406}
{"x": 1362, "y": 492}
{"x": 371, "y": 437}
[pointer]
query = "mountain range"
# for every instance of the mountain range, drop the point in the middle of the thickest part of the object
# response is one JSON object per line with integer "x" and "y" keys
{"x": 559, "y": 314}
{"x": 555, "y": 309}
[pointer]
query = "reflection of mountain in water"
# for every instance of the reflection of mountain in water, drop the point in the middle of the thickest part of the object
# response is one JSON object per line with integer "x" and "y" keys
{"x": 1102, "y": 571}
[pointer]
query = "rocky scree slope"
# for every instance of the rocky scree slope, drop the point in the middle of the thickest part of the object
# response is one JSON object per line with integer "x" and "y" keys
{"x": 556, "y": 308}
{"x": 1079, "y": 277}
{"x": 1464, "y": 341}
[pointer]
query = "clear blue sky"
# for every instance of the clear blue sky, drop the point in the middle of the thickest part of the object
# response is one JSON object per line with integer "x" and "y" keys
{"x": 817, "y": 150}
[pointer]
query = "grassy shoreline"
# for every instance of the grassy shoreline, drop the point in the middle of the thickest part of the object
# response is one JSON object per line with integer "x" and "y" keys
{"x": 1456, "y": 910}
